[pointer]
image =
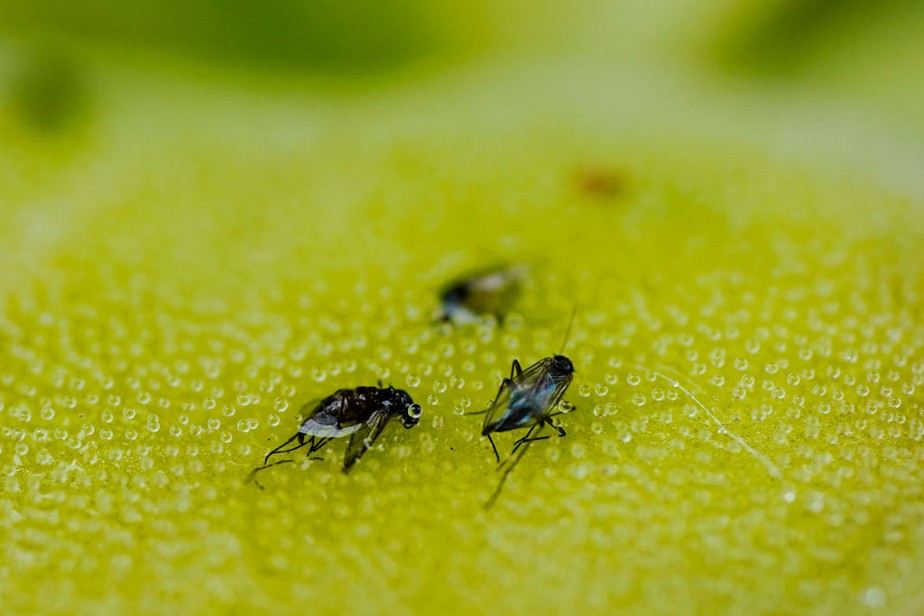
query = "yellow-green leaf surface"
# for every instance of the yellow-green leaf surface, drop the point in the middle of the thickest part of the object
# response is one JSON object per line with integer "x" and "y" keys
{"x": 190, "y": 257}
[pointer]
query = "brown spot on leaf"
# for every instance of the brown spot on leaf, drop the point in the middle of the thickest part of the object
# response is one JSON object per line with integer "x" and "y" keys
{"x": 602, "y": 183}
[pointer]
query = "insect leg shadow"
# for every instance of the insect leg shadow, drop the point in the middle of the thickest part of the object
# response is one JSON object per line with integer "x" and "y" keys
{"x": 510, "y": 463}
{"x": 314, "y": 444}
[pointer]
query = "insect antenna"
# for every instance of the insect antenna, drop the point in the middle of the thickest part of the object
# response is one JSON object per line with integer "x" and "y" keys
{"x": 564, "y": 342}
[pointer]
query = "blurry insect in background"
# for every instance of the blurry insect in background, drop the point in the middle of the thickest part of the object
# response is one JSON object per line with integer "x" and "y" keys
{"x": 527, "y": 399}
{"x": 361, "y": 413}
{"x": 488, "y": 292}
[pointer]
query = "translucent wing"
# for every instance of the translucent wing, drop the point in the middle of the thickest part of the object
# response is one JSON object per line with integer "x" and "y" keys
{"x": 531, "y": 375}
{"x": 495, "y": 290}
{"x": 557, "y": 396}
{"x": 499, "y": 405}
{"x": 520, "y": 385}
{"x": 362, "y": 439}
{"x": 489, "y": 291}
{"x": 339, "y": 414}
{"x": 308, "y": 409}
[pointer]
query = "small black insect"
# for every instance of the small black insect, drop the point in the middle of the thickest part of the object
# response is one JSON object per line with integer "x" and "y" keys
{"x": 489, "y": 292}
{"x": 527, "y": 399}
{"x": 360, "y": 413}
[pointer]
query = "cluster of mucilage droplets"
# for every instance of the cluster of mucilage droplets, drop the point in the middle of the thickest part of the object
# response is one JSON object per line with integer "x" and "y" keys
{"x": 528, "y": 399}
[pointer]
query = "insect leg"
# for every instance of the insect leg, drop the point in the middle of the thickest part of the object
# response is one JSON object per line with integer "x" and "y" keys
{"x": 281, "y": 449}
{"x": 494, "y": 447}
{"x": 515, "y": 370}
{"x": 253, "y": 474}
{"x": 505, "y": 384}
{"x": 523, "y": 441}
{"x": 548, "y": 422}
{"x": 316, "y": 444}
{"x": 525, "y": 438}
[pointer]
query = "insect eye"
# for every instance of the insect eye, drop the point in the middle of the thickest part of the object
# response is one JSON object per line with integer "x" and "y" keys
{"x": 414, "y": 411}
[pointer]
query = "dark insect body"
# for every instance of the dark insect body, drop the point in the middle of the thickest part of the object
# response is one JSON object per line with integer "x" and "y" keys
{"x": 527, "y": 399}
{"x": 361, "y": 413}
{"x": 489, "y": 292}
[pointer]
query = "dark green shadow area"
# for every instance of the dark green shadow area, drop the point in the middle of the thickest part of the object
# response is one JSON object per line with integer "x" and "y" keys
{"x": 783, "y": 37}
{"x": 47, "y": 92}
{"x": 318, "y": 35}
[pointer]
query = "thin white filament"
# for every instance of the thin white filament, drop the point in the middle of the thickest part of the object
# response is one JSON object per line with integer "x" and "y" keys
{"x": 770, "y": 466}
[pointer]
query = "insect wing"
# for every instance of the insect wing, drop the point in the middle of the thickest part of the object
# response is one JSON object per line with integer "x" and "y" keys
{"x": 362, "y": 439}
{"x": 524, "y": 385}
{"x": 486, "y": 292}
{"x": 337, "y": 415}
{"x": 556, "y": 397}
{"x": 498, "y": 284}
{"x": 307, "y": 410}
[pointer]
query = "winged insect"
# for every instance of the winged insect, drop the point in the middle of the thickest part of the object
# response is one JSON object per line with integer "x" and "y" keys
{"x": 361, "y": 413}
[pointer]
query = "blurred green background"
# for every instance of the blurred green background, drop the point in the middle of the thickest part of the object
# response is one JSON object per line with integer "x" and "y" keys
{"x": 214, "y": 211}
{"x": 847, "y": 43}
{"x": 859, "y": 54}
